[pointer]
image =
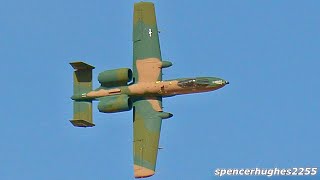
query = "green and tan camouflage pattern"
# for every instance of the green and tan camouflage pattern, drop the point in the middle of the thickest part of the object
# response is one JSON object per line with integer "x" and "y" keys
{"x": 144, "y": 95}
{"x": 147, "y": 64}
{"x": 146, "y": 47}
{"x": 155, "y": 89}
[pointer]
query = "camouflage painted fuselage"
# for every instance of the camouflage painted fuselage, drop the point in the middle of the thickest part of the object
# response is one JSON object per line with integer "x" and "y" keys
{"x": 144, "y": 93}
{"x": 166, "y": 88}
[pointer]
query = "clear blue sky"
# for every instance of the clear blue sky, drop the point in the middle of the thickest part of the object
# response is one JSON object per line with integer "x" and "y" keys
{"x": 268, "y": 116}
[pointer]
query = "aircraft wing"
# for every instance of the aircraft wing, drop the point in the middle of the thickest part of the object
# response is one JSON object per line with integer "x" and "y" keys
{"x": 146, "y": 48}
{"x": 146, "y": 133}
{"x": 147, "y": 111}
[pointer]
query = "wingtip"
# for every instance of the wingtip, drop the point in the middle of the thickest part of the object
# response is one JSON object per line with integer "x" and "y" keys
{"x": 142, "y": 172}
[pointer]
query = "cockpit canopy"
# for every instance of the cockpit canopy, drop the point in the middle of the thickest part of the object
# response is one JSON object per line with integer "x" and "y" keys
{"x": 198, "y": 82}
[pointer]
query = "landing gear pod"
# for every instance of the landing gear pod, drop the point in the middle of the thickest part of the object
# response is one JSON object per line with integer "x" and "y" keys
{"x": 165, "y": 115}
{"x": 166, "y": 64}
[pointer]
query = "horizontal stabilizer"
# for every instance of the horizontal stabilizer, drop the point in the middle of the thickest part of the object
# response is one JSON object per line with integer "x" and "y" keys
{"x": 82, "y": 83}
{"x": 82, "y": 78}
{"x": 82, "y": 114}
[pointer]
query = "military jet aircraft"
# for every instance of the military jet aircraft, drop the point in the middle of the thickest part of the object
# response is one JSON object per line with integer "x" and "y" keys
{"x": 140, "y": 89}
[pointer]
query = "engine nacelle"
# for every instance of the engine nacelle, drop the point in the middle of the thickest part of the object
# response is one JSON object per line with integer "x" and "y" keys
{"x": 115, "y": 103}
{"x": 115, "y": 77}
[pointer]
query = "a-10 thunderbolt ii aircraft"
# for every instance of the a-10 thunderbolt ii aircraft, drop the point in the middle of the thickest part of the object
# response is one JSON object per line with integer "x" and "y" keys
{"x": 140, "y": 89}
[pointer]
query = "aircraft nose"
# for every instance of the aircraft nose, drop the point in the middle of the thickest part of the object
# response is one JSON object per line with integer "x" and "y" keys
{"x": 226, "y": 82}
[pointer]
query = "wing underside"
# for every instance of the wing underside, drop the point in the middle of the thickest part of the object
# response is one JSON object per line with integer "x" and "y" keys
{"x": 146, "y": 47}
{"x": 146, "y": 134}
{"x": 147, "y": 111}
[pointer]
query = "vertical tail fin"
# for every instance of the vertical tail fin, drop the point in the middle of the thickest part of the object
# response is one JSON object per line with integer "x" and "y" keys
{"x": 82, "y": 83}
